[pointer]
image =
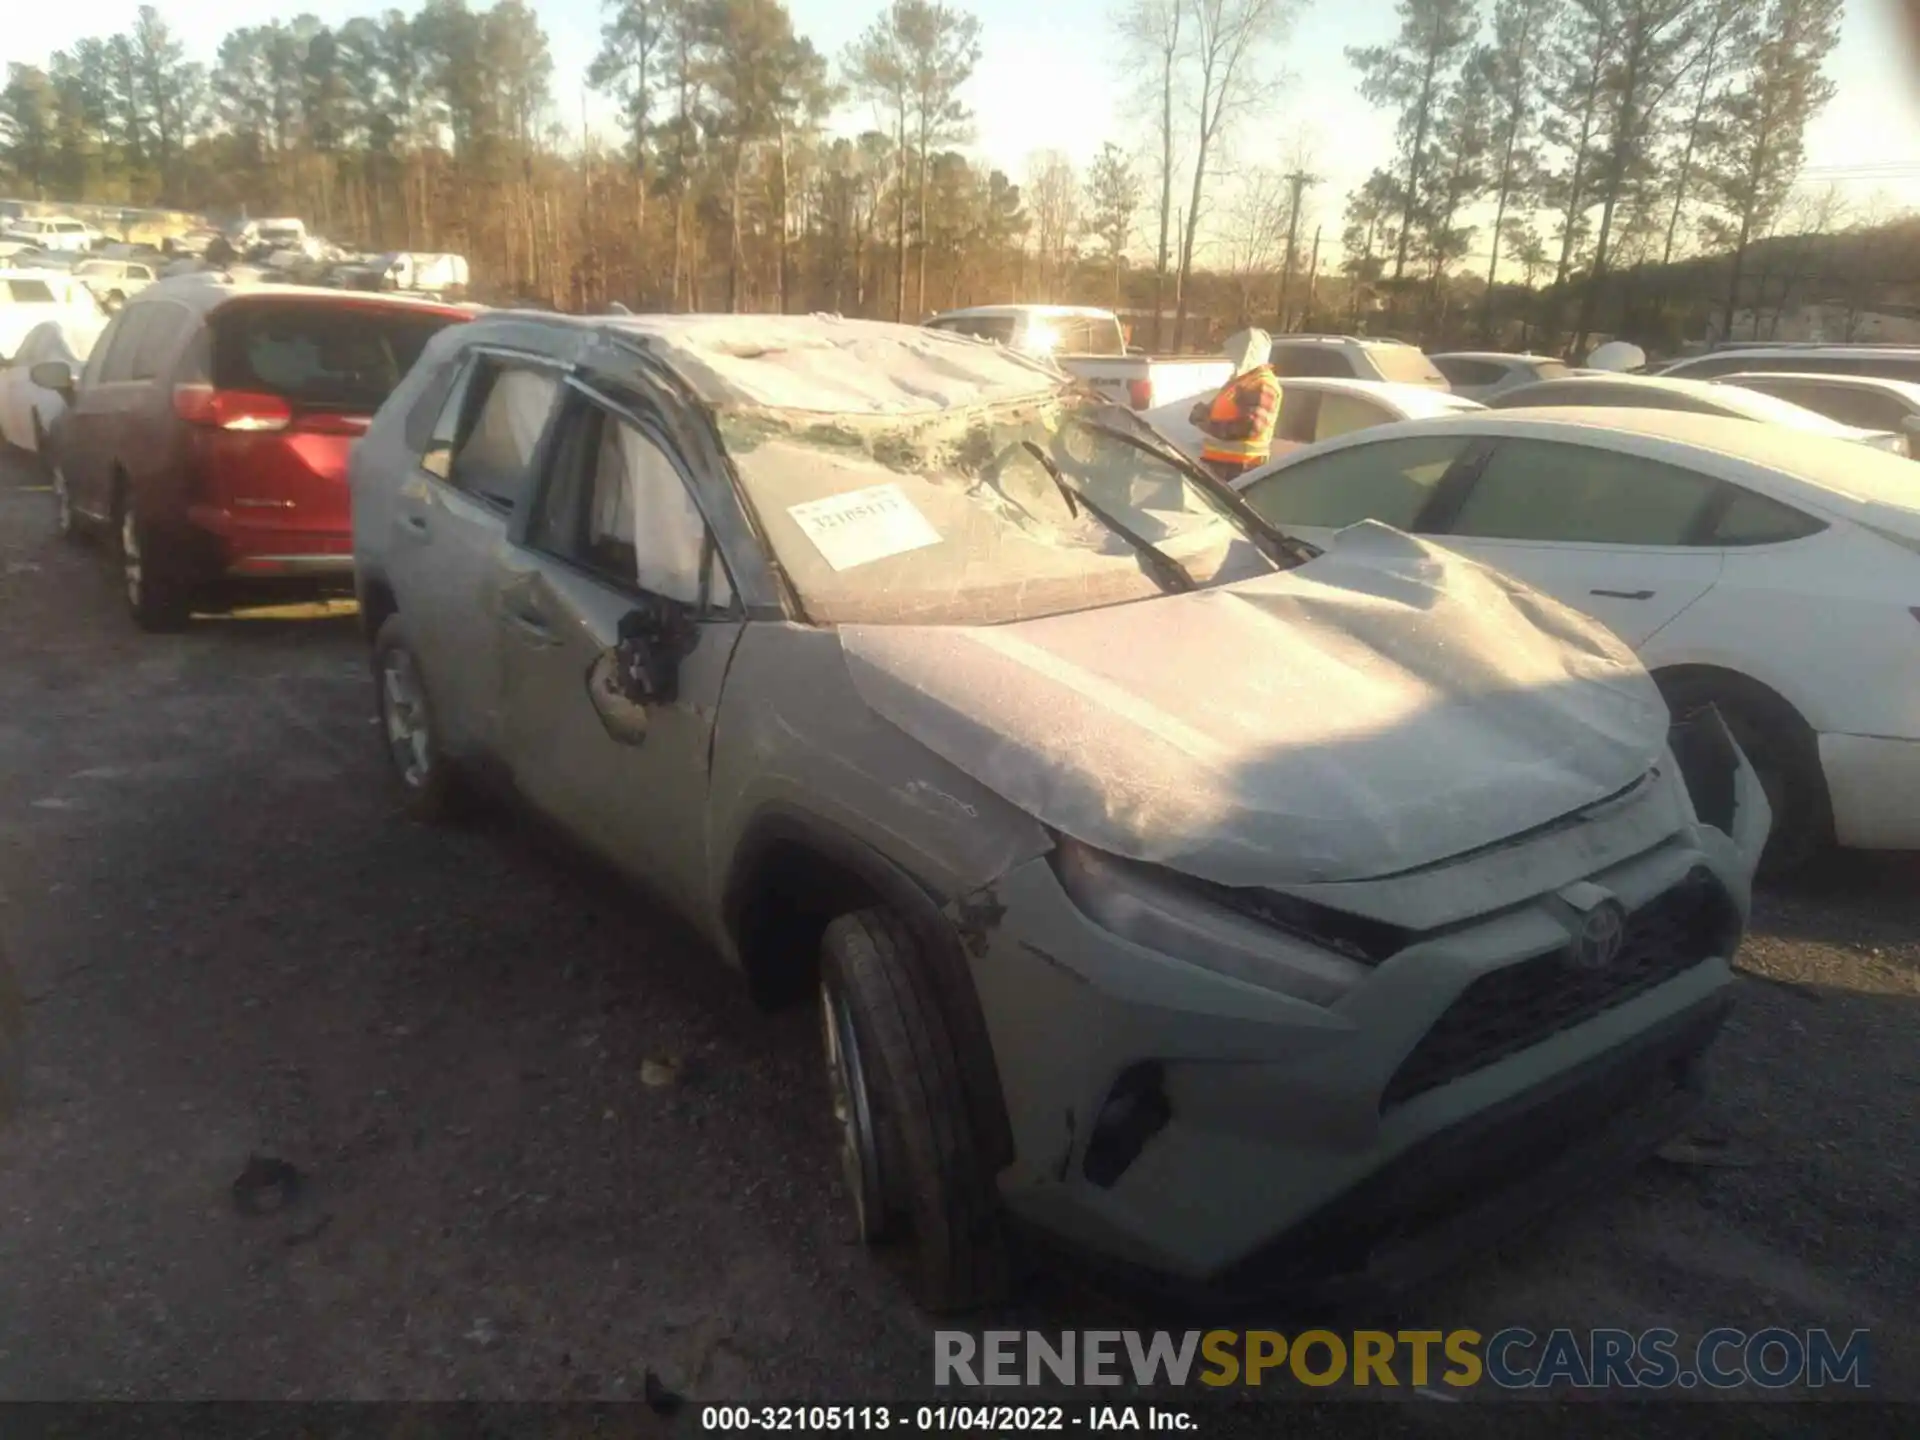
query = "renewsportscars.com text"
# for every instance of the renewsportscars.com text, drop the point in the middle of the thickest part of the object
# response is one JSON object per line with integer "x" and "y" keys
{"x": 1510, "y": 1359}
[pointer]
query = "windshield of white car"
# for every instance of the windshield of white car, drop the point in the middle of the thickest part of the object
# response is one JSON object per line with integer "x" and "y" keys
{"x": 951, "y": 519}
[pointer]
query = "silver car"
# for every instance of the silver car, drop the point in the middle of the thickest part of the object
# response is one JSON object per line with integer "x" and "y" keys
{"x": 1241, "y": 914}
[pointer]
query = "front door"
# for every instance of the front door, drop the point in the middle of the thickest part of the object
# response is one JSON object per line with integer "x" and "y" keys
{"x": 450, "y": 536}
{"x": 615, "y": 530}
{"x": 1605, "y": 532}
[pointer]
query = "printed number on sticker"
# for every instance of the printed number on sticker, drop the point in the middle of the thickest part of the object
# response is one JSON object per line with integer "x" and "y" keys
{"x": 864, "y": 525}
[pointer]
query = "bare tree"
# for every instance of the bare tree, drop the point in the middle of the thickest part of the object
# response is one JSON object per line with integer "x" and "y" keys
{"x": 1256, "y": 231}
{"x": 1152, "y": 33}
{"x": 1229, "y": 40}
{"x": 1053, "y": 195}
{"x": 1113, "y": 199}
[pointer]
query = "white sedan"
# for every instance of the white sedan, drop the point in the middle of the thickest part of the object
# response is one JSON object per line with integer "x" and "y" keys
{"x": 1319, "y": 408}
{"x": 1700, "y": 397}
{"x": 27, "y": 410}
{"x": 1770, "y": 572}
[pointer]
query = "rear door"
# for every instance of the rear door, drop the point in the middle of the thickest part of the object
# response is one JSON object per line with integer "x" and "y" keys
{"x": 449, "y": 538}
{"x": 1613, "y": 534}
{"x": 615, "y": 523}
{"x": 303, "y": 377}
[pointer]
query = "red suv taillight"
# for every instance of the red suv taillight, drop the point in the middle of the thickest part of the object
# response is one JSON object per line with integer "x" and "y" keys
{"x": 1140, "y": 394}
{"x": 230, "y": 409}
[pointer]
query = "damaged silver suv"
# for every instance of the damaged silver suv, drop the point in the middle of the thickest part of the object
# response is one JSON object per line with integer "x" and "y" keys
{"x": 1241, "y": 914}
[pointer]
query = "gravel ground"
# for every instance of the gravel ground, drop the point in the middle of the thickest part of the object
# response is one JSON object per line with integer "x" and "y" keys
{"x": 232, "y": 947}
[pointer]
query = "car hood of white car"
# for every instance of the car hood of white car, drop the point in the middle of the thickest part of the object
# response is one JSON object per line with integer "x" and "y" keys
{"x": 1385, "y": 706}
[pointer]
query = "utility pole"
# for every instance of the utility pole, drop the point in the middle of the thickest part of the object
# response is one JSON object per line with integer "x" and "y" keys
{"x": 1313, "y": 273}
{"x": 1297, "y": 184}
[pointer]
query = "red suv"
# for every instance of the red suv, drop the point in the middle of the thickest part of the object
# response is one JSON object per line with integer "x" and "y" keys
{"x": 210, "y": 433}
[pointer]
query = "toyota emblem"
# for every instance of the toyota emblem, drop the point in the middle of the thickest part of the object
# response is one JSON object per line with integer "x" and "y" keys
{"x": 1601, "y": 937}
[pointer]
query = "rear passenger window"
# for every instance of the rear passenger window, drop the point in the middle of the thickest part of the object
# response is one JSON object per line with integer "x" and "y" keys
{"x": 29, "y": 292}
{"x": 1755, "y": 520}
{"x": 1340, "y": 414}
{"x": 1544, "y": 490}
{"x": 490, "y": 429}
{"x": 1305, "y": 360}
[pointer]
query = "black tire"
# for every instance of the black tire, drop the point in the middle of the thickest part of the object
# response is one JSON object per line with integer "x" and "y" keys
{"x": 931, "y": 1183}
{"x": 157, "y": 599}
{"x": 430, "y": 789}
{"x": 1784, "y": 753}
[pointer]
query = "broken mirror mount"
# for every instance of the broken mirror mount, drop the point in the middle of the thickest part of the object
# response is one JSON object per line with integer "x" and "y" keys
{"x": 642, "y": 667}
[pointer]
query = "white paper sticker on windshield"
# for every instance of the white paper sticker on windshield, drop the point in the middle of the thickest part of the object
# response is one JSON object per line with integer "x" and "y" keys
{"x": 864, "y": 525}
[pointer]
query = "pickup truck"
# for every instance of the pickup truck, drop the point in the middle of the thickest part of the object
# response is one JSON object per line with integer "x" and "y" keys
{"x": 1090, "y": 345}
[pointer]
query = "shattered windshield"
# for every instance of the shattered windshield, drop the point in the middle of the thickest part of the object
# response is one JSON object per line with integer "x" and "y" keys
{"x": 979, "y": 516}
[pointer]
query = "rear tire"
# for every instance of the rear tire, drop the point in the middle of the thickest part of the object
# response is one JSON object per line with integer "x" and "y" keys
{"x": 156, "y": 599}
{"x": 1785, "y": 755}
{"x": 429, "y": 786}
{"x": 894, "y": 1062}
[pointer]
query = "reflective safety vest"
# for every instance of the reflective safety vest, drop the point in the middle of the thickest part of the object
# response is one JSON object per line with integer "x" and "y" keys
{"x": 1245, "y": 411}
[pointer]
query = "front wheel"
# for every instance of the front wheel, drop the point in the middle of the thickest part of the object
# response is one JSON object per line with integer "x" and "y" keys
{"x": 907, "y": 1145}
{"x": 1785, "y": 756}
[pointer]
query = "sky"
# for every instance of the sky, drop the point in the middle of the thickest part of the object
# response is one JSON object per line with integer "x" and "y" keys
{"x": 1050, "y": 77}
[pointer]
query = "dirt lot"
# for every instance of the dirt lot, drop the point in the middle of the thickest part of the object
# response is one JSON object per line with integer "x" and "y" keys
{"x": 232, "y": 947}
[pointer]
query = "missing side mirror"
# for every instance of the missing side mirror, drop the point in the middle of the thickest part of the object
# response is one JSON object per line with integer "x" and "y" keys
{"x": 641, "y": 669}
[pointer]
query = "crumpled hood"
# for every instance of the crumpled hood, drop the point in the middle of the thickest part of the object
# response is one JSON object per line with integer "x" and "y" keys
{"x": 1387, "y": 705}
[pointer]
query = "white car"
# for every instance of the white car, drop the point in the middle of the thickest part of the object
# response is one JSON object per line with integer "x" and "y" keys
{"x": 1701, "y": 397}
{"x": 1895, "y": 362}
{"x": 53, "y": 232}
{"x": 1770, "y": 572}
{"x": 1869, "y": 401}
{"x": 29, "y": 297}
{"x": 1480, "y": 374}
{"x": 1319, "y": 409}
{"x": 27, "y": 410}
{"x": 115, "y": 281}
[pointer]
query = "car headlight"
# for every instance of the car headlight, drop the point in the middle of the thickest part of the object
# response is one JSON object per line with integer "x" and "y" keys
{"x": 1165, "y": 912}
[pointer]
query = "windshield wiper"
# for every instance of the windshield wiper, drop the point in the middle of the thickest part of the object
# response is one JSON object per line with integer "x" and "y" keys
{"x": 1276, "y": 544}
{"x": 1169, "y": 572}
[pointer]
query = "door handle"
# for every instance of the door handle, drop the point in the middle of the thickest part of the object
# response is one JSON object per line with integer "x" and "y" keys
{"x": 414, "y": 524}
{"x": 1624, "y": 594}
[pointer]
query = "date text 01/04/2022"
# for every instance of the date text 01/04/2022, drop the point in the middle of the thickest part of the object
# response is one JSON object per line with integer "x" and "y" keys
{"x": 963, "y": 1419}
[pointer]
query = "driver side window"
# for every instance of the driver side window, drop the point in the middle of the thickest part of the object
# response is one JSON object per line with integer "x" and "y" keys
{"x": 618, "y": 507}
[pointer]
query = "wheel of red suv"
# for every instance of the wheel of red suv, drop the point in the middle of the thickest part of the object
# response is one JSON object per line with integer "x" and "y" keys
{"x": 1784, "y": 754}
{"x": 906, "y": 1136}
{"x": 157, "y": 602}
{"x": 428, "y": 786}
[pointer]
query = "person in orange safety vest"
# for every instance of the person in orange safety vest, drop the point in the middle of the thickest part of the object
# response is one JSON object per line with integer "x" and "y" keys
{"x": 1236, "y": 425}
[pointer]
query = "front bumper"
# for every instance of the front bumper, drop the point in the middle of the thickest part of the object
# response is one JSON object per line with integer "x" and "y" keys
{"x": 1291, "y": 1136}
{"x": 1874, "y": 785}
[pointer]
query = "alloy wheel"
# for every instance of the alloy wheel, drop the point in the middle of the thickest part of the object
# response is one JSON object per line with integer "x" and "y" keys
{"x": 404, "y": 710}
{"x": 853, "y": 1115}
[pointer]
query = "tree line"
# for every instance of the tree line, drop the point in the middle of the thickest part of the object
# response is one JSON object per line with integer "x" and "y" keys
{"x": 1587, "y": 140}
{"x": 1594, "y": 139}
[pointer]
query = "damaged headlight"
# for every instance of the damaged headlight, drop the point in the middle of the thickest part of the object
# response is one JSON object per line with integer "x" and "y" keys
{"x": 1161, "y": 911}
